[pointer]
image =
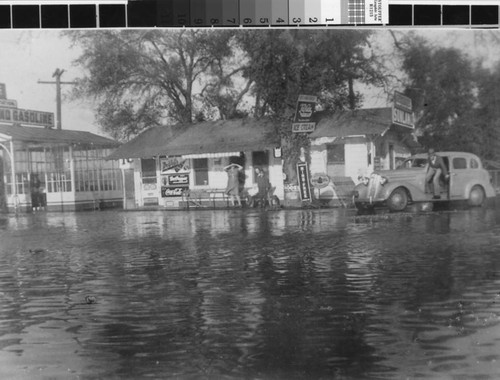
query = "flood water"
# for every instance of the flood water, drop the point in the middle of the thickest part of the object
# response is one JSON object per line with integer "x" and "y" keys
{"x": 235, "y": 294}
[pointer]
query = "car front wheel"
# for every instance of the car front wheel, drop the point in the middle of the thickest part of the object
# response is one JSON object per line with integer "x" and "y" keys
{"x": 398, "y": 200}
{"x": 476, "y": 196}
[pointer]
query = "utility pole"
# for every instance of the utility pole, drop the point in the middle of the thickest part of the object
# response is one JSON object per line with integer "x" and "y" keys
{"x": 57, "y": 74}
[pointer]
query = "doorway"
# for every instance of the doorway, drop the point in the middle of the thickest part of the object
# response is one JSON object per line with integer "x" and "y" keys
{"x": 260, "y": 159}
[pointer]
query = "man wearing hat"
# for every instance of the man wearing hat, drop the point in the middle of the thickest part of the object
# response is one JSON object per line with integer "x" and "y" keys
{"x": 435, "y": 168}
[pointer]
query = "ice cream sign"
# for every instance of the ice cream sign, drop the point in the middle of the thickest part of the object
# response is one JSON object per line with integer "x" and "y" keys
{"x": 303, "y": 122}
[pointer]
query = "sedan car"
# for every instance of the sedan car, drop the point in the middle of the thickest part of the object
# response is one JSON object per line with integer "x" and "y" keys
{"x": 396, "y": 189}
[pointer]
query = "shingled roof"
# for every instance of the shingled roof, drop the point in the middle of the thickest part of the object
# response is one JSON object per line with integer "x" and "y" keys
{"x": 366, "y": 121}
{"x": 44, "y": 136}
{"x": 204, "y": 137}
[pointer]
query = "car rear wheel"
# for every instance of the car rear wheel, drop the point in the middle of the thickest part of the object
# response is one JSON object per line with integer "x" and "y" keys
{"x": 476, "y": 196}
{"x": 398, "y": 200}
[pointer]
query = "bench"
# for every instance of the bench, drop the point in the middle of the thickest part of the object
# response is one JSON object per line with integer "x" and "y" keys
{"x": 204, "y": 198}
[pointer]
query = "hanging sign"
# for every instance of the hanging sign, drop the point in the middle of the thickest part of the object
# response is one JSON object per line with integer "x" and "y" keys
{"x": 402, "y": 111}
{"x": 303, "y": 177}
{"x": 302, "y": 121}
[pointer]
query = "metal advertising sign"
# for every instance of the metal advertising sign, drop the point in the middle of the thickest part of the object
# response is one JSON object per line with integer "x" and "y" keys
{"x": 28, "y": 117}
{"x": 173, "y": 165}
{"x": 320, "y": 180}
{"x": 169, "y": 192}
{"x": 181, "y": 179}
{"x": 303, "y": 176}
{"x": 303, "y": 122}
{"x": 402, "y": 111}
{"x": 8, "y": 103}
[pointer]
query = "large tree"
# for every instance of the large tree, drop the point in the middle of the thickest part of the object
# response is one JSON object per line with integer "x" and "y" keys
{"x": 145, "y": 78}
{"x": 442, "y": 83}
{"x": 325, "y": 63}
{"x": 487, "y": 113}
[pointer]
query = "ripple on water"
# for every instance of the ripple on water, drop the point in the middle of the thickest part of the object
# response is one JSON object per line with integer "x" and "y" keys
{"x": 292, "y": 294}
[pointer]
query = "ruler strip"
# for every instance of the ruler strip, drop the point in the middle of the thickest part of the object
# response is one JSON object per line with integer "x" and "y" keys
{"x": 62, "y": 14}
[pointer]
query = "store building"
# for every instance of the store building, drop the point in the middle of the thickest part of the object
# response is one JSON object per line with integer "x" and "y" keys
{"x": 348, "y": 144}
{"x": 183, "y": 166}
{"x": 53, "y": 169}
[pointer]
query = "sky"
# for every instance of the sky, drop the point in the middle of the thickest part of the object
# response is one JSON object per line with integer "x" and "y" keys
{"x": 27, "y": 56}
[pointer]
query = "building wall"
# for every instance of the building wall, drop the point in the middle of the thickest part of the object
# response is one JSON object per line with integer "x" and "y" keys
{"x": 150, "y": 194}
{"x": 59, "y": 178}
{"x": 362, "y": 155}
{"x": 356, "y": 158}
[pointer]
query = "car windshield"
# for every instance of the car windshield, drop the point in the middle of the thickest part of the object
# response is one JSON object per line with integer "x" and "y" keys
{"x": 413, "y": 162}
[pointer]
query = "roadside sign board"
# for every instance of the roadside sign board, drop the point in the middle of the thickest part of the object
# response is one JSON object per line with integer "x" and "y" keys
{"x": 302, "y": 122}
{"x": 8, "y": 103}
{"x": 169, "y": 192}
{"x": 181, "y": 179}
{"x": 402, "y": 111}
{"x": 303, "y": 127}
{"x": 303, "y": 177}
{"x": 27, "y": 117}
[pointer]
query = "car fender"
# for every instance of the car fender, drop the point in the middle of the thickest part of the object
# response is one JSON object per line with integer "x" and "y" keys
{"x": 416, "y": 194}
{"x": 489, "y": 192}
{"x": 361, "y": 189}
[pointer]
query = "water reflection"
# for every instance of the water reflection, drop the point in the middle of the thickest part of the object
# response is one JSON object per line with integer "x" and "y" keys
{"x": 234, "y": 294}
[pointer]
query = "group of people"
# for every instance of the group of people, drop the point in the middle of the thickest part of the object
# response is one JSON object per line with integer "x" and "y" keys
{"x": 436, "y": 169}
{"x": 233, "y": 184}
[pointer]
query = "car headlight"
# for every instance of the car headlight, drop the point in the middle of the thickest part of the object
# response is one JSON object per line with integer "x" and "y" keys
{"x": 383, "y": 180}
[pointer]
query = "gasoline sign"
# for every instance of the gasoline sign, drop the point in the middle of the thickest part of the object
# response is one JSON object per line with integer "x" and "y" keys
{"x": 303, "y": 122}
{"x": 28, "y": 117}
{"x": 402, "y": 111}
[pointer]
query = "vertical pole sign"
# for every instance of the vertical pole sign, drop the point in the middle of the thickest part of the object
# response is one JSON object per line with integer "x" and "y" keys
{"x": 303, "y": 177}
{"x": 303, "y": 121}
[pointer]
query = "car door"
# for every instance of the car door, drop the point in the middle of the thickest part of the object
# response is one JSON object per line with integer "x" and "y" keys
{"x": 458, "y": 176}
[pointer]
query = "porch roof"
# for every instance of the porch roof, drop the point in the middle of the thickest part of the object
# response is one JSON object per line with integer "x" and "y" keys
{"x": 368, "y": 121}
{"x": 205, "y": 137}
{"x": 47, "y": 137}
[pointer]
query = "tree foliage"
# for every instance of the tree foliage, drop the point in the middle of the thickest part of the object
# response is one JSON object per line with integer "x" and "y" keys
{"x": 145, "y": 78}
{"x": 287, "y": 63}
{"x": 455, "y": 98}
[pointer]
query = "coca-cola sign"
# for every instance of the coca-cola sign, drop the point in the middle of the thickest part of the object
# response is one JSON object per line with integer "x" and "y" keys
{"x": 172, "y": 191}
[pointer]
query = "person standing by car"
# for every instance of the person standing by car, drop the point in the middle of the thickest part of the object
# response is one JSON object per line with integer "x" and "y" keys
{"x": 233, "y": 182}
{"x": 435, "y": 169}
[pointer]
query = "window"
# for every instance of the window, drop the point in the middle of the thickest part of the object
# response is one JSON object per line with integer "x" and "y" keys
{"x": 474, "y": 164}
{"x": 148, "y": 167}
{"x": 459, "y": 163}
{"x": 200, "y": 169}
{"x": 335, "y": 154}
